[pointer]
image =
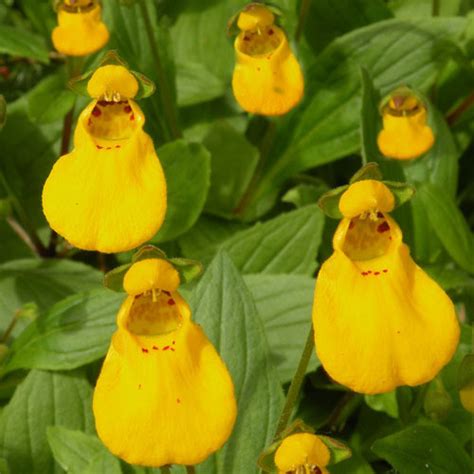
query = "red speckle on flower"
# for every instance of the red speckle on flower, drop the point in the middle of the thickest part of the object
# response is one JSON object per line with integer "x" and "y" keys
{"x": 109, "y": 148}
{"x": 385, "y": 270}
{"x": 171, "y": 302}
{"x": 117, "y": 146}
{"x": 174, "y": 342}
{"x": 379, "y": 215}
{"x": 127, "y": 109}
{"x": 246, "y": 38}
{"x": 166, "y": 348}
{"x": 270, "y": 32}
{"x": 178, "y": 400}
{"x": 172, "y": 349}
{"x": 166, "y": 292}
{"x": 376, "y": 273}
{"x": 139, "y": 386}
{"x": 364, "y": 273}
{"x": 144, "y": 350}
{"x": 103, "y": 103}
{"x": 89, "y": 121}
{"x": 383, "y": 227}
{"x": 155, "y": 348}
{"x": 99, "y": 147}
{"x": 351, "y": 225}
{"x": 369, "y": 271}
{"x": 96, "y": 112}
{"x": 132, "y": 117}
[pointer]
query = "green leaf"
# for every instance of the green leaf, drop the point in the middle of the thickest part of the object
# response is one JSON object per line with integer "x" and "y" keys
{"x": 3, "y": 111}
{"x": 284, "y": 303}
{"x": 325, "y": 127}
{"x": 196, "y": 83}
{"x": 466, "y": 371}
{"x": 223, "y": 306}
{"x": 4, "y": 469}
{"x": 424, "y": 448}
{"x": 305, "y": 194}
{"x": 329, "y": 202}
{"x": 23, "y": 43}
{"x": 188, "y": 269}
{"x": 402, "y": 192}
{"x": 72, "y": 333}
{"x": 385, "y": 402}
{"x": 449, "y": 225}
{"x": 50, "y": 100}
{"x": 43, "y": 282}
{"x": 333, "y": 19}
{"x": 187, "y": 171}
{"x": 233, "y": 162}
{"x": 354, "y": 465}
{"x": 288, "y": 243}
{"x": 80, "y": 453}
{"x": 369, "y": 171}
{"x": 202, "y": 240}
{"x": 43, "y": 399}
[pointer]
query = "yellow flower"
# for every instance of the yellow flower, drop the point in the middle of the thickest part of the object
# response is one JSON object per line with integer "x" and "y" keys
{"x": 109, "y": 193}
{"x": 380, "y": 321}
{"x": 267, "y": 78}
{"x": 302, "y": 453}
{"x": 80, "y": 31}
{"x": 405, "y": 134}
{"x": 164, "y": 396}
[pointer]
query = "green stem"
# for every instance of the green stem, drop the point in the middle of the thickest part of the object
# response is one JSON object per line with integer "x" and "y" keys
{"x": 418, "y": 402}
{"x": 9, "y": 329}
{"x": 264, "y": 147}
{"x": 296, "y": 384}
{"x": 163, "y": 86}
{"x": 435, "y": 7}
{"x": 304, "y": 9}
{"x": 165, "y": 470}
{"x": 190, "y": 470}
{"x": 23, "y": 228}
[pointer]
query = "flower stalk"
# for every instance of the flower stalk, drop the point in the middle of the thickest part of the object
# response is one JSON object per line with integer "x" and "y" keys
{"x": 163, "y": 86}
{"x": 296, "y": 384}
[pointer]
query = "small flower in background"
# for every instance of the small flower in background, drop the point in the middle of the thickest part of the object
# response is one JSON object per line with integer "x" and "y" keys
{"x": 302, "y": 453}
{"x": 405, "y": 134}
{"x": 164, "y": 396}
{"x": 466, "y": 383}
{"x": 109, "y": 193}
{"x": 80, "y": 29}
{"x": 267, "y": 78}
{"x": 380, "y": 321}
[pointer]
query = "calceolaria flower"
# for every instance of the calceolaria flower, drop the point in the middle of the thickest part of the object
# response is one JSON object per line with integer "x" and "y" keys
{"x": 80, "y": 29}
{"x": 267, "y": 77}
{"x": 302, "y": 453}
{"x": 109, "y": 193}
{"x": 405, "y": 133}
{"x": 164, "y": 396}
{"x": 380, "y": 321}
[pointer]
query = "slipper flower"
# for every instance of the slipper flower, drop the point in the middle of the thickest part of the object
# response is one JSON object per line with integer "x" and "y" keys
{"x": 380, "y": 321}
{"x": 267, "y": 78}
{"x": 80, "y": 29}
{"x": 405, "y": 134}
{"x": 164, "y": 396}
{"x": 302, "y": 453}
{"x": 108, "y": 193}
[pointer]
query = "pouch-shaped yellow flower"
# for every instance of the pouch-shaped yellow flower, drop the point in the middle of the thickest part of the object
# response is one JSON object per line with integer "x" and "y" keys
{"x": 108, "y": 193}
{"x": 380, "y": 321}
{"x": 405, "y": 134}
{"x": 267, "y": 78}
{"x": 80, "y": 29}
{"x": 164, "y": 396}
{"x": 302, "y": 453}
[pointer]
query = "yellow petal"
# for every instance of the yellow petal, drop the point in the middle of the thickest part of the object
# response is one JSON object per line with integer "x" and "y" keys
{"x": 267, "y": 78}
{"x": 112, "y": 82}
{"x": 255, "y": 16}
{"x": 149, "y": 274}
{"x": 366, "y": 196}
{"x": 109, "y": 193}
{"x": 80, "y": 33}
{"x": 405, "y": 137}
{"x": 380, "y": 321}
{"x": 163, "y": 398}
{"x": 302, "y": 450}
